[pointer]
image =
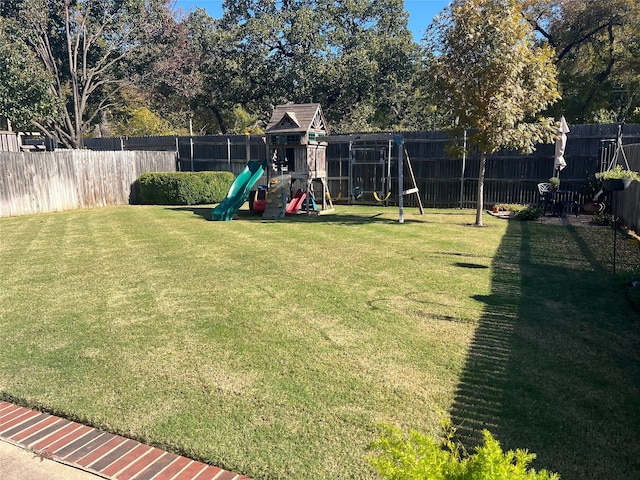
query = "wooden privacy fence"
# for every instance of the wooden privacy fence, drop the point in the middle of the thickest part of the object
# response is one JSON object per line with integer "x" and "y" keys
{"x": 9, "y": 141}
{"x": 444, "y": 180}
{"x": 628, "y": 201}
{"x": 228, "y": 153}
{"x": 53, "y": 181}
{"x": 510, "y": 177}
{"x": 70, "y": 179}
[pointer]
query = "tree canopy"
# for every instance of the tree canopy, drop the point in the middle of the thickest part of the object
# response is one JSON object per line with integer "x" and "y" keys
{"x": 87, "y": 49}
{"x": 353, "y": 57}
{"x": 97, "y": 65}
{"x": 492, "y": 77}
{"x": 597, "y": 56}
{"x": 24, "y": 83}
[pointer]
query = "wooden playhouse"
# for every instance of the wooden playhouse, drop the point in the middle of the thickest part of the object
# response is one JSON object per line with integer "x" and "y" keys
{"x": 297, "y": 149}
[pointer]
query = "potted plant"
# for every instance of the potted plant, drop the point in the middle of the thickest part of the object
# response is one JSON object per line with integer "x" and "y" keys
{"x": 555, "y": 183}
{"x": 588, "y": 189}
{"x": 617, "y": 178}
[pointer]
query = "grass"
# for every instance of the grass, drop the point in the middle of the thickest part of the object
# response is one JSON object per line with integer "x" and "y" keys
{"x": 276, "y": 348}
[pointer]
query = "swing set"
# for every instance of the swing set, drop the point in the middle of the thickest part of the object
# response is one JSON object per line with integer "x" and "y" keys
{"x": 370, "y": 176}
{"x": 370, "y": 168}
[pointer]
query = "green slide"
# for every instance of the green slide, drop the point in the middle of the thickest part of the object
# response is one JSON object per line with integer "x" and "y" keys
{"x": 239, "y": 191}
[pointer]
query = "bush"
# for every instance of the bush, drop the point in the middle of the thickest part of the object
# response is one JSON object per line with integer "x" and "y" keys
{"x": 420, "y": 457}
{"x": 603, "y": 219}
{"x": 529, "y": 213}
{"x": 630, "y": 283}
{"x": 516, "y": 208}
{"x": 216, "y": 186}
{"x": 183, "y": 188}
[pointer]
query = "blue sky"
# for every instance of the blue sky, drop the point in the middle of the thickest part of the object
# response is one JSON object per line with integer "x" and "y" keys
{"x": 421, "y": 12}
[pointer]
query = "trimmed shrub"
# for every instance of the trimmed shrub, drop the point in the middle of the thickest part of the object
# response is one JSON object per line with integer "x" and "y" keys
{"x": 603, "y": 219}
{"x": 529, "y": 213}
{"x": 183, "y": 188}
{"x": 417, "y": 456}
{"x": 216, "y": 186}
{"x": 520, "y": 212}
{"x": 509, "y": 207}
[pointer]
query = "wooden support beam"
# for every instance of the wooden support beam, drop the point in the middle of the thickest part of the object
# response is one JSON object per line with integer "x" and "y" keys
{"x": 413, "y": 180}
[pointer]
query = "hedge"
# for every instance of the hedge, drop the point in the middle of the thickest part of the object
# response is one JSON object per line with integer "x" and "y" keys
{"x": 183, "y": 188}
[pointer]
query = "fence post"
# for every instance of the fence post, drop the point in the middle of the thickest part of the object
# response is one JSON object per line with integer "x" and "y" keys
{"x": 399, "y": 142}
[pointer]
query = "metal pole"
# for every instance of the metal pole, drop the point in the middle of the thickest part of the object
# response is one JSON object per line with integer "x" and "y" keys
{"x": 191, "y": 141}
{"x": 464, "y": 162}
{"x": 350, "y": 193}
{"x": 388, "y": 185}
{"x": 615, "y": 228}
{"x": 399, "y": 142}
{"x": 229, "y": 153}
{"x": 191, "y": 151}
{"x": 178, "y": 166}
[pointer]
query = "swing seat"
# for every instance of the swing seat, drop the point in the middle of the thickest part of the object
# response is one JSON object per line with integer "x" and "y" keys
{"x": 378, "y": 199}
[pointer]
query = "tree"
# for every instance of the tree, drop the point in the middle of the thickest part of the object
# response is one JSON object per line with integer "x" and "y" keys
{"x": 597, "y": 55}
{"x": 86, "y": 46}
{"x": 366, "y": 73}
{"x": 234, "y": 70}
{"x": 24, "y": 83}
{"x": 269, "y": 47}
{"x": 171, "y": 68}
{"x": 357, "y": 58}
{"x": 492, "y": 77}
{"x": 142, "y": 122}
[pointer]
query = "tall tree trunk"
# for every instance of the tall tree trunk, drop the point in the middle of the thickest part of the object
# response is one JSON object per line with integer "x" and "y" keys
{"x": 218, "y": 115}
{"x": 483, "y": 166}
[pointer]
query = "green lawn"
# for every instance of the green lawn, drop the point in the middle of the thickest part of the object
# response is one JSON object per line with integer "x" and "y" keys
{"x": 276, "y": 348}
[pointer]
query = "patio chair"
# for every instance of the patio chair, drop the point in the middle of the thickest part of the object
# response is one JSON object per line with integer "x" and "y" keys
{"x": 572, "y": 205}
{"x": 545, "y": 197}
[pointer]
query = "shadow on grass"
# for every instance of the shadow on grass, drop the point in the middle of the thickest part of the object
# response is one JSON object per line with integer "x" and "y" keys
{"x": 554, "y": 365}
{"x": 328, "y": 218}
{"x": 203, "y": 212}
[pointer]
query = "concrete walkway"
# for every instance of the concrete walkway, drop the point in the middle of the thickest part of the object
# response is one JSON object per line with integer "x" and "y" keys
{"x": 19, "y": 464}
{"x": 39, "y": 446}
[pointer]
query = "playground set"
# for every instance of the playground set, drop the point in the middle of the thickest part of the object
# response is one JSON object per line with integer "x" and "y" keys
{"x": 294, "y": 180}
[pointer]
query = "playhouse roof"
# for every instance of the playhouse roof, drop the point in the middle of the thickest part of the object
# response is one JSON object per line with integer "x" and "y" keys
{"x": 302, "y": 117}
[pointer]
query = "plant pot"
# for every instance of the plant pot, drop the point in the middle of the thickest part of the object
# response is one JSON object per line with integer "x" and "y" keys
{"x": 616, "y": 184}
{"x": 591, "y": 206}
